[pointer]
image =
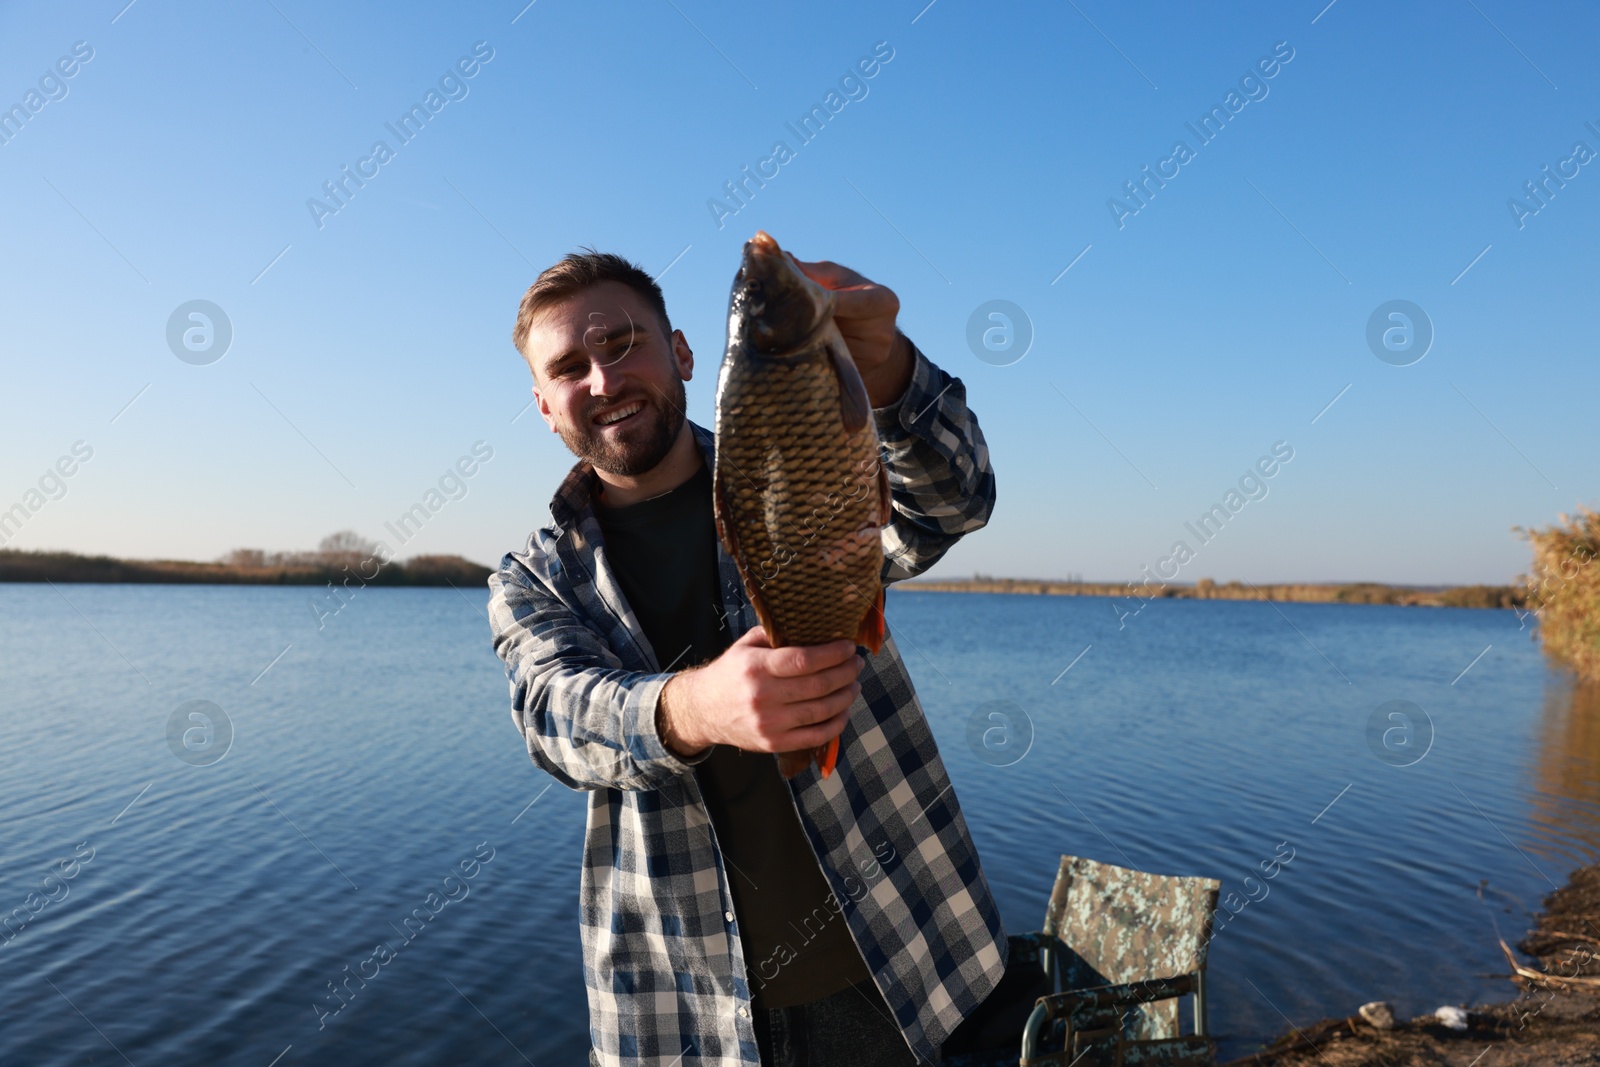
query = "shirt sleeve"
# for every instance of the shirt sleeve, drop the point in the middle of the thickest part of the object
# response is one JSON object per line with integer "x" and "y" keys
{"x": 941, "y": 486}
{"x": 586, "y": 720}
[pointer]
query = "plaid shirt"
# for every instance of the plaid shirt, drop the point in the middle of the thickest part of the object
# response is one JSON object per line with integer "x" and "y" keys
{"x": 667, "y": 979}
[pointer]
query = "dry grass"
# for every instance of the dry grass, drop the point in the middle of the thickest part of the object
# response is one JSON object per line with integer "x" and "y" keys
{"x": 1465, "y": 596}
{"x": 1563, "y": 590}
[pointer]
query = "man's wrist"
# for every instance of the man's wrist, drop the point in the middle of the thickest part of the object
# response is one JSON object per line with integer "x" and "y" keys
{"x": 887, "y": 383}
{"x": 677, "y": 734}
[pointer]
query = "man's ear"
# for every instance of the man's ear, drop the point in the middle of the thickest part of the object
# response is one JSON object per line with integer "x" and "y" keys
{"x": 548, "y": 415}
{"x": 682, "y": 355}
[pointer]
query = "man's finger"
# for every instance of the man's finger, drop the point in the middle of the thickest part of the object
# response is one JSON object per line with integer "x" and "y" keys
{"x": 828, "y": 274}
{"x": 822, "y": 683}
{"x": 798, "y": 660}
{"x": 869, "y": 303}
{"x": 819, "y": 715}
{"x": 755, "y": 637}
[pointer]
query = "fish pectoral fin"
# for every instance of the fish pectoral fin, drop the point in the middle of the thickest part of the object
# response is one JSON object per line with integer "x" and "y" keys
{"x": 854, "y": 405}
{"x": 728, "y": 534}
{"x": 870, "y": 633}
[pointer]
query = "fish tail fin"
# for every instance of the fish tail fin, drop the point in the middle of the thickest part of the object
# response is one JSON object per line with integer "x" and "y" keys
{"x": 872, "y": 630}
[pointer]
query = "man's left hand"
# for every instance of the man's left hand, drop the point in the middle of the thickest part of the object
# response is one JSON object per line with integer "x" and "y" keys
{"x": 865, "y": 313}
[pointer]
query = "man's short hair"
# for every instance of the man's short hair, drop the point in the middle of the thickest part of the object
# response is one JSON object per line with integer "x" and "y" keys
{"x": 575, "y": 273}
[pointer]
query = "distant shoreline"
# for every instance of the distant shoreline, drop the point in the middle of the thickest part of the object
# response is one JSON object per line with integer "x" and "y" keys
{"x": 1461, "y": 596}
{"x": 65, "y": 567}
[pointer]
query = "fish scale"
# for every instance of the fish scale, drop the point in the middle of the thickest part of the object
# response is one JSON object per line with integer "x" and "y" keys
{"x": 781, "y": 436}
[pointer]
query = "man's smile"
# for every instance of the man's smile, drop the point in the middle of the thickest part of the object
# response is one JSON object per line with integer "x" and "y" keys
{"x": 619, "y": 414}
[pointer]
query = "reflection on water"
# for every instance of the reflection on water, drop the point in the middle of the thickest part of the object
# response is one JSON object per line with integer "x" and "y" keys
{"x": 1565, "y": 799}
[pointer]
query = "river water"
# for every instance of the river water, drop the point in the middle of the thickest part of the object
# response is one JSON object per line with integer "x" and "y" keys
{"x": 185, "y": 908}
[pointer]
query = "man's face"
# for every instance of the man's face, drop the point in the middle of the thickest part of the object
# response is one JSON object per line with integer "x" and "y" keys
{"x": 608, "y": 378}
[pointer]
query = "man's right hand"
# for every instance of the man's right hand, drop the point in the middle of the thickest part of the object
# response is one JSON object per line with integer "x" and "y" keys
{"x": 760, "y": 698}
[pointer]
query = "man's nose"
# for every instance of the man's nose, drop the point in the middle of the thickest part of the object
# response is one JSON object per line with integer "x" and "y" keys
{"x": 605, "y": 375}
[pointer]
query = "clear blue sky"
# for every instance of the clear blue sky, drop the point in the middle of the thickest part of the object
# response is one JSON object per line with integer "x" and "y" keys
{"x": 1222, "y": 316}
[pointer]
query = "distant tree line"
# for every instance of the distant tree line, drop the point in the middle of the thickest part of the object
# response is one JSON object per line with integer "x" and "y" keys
{"x": 334, "y": 557}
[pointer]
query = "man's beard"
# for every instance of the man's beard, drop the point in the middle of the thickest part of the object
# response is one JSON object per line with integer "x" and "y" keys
{"x": 645, "y": 446}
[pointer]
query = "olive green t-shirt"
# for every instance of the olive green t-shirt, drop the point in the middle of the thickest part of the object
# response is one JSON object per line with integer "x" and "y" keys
{"x": 797, "y": 949}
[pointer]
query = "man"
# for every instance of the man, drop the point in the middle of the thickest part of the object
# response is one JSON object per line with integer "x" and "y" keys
{"x": 731, "y": 917}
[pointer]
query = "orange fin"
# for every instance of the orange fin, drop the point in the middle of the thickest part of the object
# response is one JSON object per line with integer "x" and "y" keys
{"x": 824, "y": 756}
{"x": 828, "y": 755}
{"x": 871, "y": 632}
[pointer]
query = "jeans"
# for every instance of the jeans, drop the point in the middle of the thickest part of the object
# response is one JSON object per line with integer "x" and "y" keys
{"x": 850, "y": 1028}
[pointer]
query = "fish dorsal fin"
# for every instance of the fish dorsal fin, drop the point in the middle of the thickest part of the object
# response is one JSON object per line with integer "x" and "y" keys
{"x": 854, "y": 405}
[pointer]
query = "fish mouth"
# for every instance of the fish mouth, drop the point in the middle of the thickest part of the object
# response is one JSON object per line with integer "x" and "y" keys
{"x": 782, "y": 311}
{"x": 618, "y": 416}
{"x": 764, "y": 243}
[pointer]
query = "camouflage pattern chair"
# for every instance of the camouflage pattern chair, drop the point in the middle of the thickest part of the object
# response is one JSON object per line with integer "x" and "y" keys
{"x": 1124, "y": 946}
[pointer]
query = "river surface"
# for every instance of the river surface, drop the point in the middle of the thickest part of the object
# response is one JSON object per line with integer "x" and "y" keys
{"x": 189, "y": 909}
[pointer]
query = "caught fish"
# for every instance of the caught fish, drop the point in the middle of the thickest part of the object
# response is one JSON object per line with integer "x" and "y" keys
{"x": 801, "y": 495}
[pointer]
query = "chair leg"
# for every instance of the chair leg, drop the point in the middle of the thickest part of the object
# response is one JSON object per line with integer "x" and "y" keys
{"x": 1033, "y": 1032}
{"x": 1200, "y": 1003}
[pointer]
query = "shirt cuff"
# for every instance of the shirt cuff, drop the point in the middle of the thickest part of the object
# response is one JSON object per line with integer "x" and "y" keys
{"x": 641, "y": 725}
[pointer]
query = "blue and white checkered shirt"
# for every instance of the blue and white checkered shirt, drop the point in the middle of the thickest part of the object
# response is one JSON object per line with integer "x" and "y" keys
{"x": 667, "y": 978}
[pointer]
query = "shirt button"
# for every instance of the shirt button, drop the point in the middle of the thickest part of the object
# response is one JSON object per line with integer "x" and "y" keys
{"x": 744, "y": 1013}
{"x": 728, "y": 915}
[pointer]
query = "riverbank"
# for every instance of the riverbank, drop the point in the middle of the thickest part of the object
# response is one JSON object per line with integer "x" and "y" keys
{"x": 1460, "y": 596}
{"x": 305, "y": 569}
{"x": 1553, "y": 1022}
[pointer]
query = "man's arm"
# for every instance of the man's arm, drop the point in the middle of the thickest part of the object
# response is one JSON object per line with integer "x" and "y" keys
{"x": 585, "y": 719}
{"x": 940, "y": 482}
{"x": 594, "y": 725}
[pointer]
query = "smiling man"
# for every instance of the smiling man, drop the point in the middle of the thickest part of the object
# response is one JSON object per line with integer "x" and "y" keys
{"x": 731, "y": 917}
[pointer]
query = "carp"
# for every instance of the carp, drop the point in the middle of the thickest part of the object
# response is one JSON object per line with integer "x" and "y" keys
{"x": 801, "y": 495}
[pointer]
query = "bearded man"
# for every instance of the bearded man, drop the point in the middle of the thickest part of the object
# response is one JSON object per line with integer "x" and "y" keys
{"x": 731, "y": 917}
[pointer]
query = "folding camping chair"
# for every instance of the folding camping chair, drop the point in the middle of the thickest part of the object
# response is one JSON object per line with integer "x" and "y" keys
{"x": 1103, "y": 978}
